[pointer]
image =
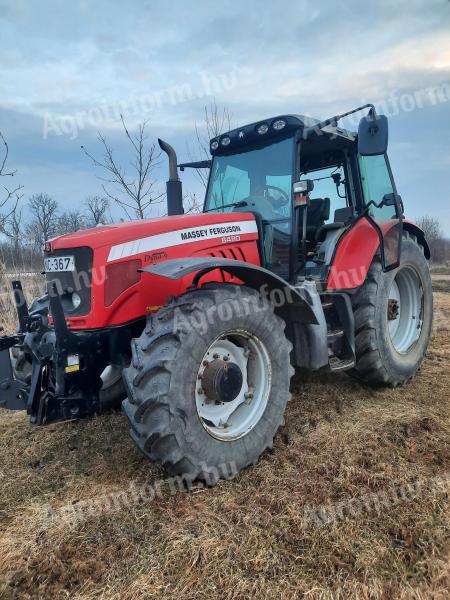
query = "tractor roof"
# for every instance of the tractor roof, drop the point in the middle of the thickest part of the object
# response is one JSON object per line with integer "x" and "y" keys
{"x": 270, "y": 130}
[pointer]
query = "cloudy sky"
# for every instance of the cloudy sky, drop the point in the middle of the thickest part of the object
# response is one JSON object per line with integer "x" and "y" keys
{"x": 69, "y": 69}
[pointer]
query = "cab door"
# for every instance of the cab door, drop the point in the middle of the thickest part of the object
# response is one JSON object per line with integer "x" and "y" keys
{"x": 382, "y": 206}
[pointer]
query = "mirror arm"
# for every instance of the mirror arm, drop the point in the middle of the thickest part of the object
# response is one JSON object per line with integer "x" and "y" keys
{"x": 333, "y": 120}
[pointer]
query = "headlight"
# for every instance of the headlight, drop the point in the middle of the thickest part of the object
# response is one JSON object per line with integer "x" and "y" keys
{"x": 261, "y": 129}
{"x": 225, "y": 141}
{"x": 76, "y": 300}
{"x": 214, "y": 145}
{"x": 279, "y": 124}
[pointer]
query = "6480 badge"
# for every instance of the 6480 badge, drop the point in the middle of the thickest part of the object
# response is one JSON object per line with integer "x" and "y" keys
{"x": 56, "y": 264}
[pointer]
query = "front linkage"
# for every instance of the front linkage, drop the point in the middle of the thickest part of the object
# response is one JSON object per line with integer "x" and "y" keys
{"x": 66, "y": 366}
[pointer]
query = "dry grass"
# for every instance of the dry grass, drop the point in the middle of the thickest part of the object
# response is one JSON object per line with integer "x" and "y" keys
{"x": 33, "y": 287}
{"x": 443, "y": 269}
{"x": 245, "y": 538}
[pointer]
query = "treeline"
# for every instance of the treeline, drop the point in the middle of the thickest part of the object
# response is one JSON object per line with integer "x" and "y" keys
{"x": 29, "y": 224}
{"x": 439, "y": 245}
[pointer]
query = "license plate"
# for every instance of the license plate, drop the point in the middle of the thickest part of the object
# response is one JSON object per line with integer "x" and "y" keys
{"x": 56, "y": 264}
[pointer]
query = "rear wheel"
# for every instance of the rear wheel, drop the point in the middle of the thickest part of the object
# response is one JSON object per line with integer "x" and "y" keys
{"x": 209, "y": 382}
{"x": 393, "y": 318}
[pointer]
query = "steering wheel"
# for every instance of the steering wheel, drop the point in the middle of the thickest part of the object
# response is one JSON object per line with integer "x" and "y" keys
{"x": 280, "y": 201}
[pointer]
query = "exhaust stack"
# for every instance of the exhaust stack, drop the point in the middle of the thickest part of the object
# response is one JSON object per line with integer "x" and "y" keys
{"x": 173, "y": 185}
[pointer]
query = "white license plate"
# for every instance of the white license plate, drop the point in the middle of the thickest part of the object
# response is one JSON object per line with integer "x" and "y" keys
{"x": 59, "y": 263}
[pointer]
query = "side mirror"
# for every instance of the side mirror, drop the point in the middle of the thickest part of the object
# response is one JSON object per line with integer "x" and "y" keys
{"x": 394, "y": 200}
{"x": 373, "y": 135}
{"x": 390, "y": 199}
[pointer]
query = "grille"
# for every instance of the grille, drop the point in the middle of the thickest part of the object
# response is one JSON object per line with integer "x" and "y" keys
{"x": 79, "y": 281}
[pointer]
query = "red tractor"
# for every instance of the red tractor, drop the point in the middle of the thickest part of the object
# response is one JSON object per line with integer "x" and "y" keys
{"x": 195, "y": 323}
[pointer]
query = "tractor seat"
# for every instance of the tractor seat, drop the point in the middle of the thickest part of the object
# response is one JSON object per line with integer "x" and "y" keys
{"x": 341, "y": 218}
{"x": 318, "y": 213}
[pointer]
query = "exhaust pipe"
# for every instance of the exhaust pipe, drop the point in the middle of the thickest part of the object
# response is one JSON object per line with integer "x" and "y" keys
{"x": 173, "y": 185}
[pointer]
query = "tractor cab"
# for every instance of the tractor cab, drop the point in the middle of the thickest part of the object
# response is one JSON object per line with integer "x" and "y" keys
{"x": 263, "y": 168}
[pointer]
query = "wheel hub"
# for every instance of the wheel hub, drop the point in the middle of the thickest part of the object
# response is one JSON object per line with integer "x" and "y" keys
{"x": 233, "y": 385}
{"x": 222, "y": 380}
{"x": 393, "y": 309}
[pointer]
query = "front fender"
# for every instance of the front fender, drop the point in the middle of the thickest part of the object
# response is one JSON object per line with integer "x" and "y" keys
{"x": 258, "y": 278}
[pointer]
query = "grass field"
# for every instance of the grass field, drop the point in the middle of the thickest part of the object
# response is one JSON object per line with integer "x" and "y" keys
{"x": 260, "y": 535}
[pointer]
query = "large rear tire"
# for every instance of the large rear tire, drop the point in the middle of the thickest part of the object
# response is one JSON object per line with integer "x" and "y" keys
{"x": 393, "y": 319}
{"x": 209, "y": 382}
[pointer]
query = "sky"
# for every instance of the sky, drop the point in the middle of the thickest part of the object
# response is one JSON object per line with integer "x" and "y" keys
{"x": 68, "y": 69}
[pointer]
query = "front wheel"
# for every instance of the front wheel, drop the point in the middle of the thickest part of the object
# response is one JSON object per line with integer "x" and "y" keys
{"x": 209, "y": 382}
{"x": 393, "y": 319}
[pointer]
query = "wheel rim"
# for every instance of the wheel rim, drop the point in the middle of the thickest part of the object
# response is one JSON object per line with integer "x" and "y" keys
{"x": 110, "y": 376}
{"x": 405, "y": 310}
{"x": 233, "y": 385}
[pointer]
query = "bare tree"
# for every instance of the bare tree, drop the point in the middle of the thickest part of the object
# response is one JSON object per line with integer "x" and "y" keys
{"x": 70, "y": 221}
{"x": 133, "y": 191}
{"x": 44, "y": 213}
{"x": 431, "y": 228}
{"x": 96, "y": 208}
{"x": 215, "y": 121}
{"x": 12, "y": 227}
{"x": 439, "y": 247}
{"x": 191, "y": 204}
{"x": 11, "y": 195}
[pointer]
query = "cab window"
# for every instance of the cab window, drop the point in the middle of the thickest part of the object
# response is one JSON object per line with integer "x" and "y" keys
{"x": 325, "y": 187}
{"x": 259, "y": 180}
{"x": 376, "y": 183}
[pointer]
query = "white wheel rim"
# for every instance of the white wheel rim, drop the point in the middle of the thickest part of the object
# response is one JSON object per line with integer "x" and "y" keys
{"x": 406, "y": 300}
{"x": 230, "y": 420}
{"x": 110, "y": 376}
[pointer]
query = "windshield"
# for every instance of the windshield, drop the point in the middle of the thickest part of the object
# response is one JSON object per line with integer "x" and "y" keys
{"x": 259, "y": 180}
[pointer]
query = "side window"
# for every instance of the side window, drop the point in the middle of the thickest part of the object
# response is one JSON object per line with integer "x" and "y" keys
{"x": 376, "y": 183}
{"x": 324, "y": 187}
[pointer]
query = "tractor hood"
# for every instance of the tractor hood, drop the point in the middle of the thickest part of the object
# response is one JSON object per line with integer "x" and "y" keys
{"x": 132, "y": 236}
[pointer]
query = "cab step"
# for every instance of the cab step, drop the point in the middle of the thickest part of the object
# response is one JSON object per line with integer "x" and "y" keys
{"x": 334, "y": 334}
{"x": 337, "y": 364}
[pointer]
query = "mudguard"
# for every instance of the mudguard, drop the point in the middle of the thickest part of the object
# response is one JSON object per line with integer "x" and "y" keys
{"x": 357, "y": 248}
{"x": 254, "y": 276}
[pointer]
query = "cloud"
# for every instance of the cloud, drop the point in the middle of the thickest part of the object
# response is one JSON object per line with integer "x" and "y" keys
{"x": 65, "y": 59}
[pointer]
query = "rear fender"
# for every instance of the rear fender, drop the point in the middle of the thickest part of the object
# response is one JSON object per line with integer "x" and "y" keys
{"x": 356, "y": 250}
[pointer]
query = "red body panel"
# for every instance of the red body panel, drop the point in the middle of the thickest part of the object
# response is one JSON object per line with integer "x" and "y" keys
{"x": 139, "y": 240}
{"x": 355, "y": 253}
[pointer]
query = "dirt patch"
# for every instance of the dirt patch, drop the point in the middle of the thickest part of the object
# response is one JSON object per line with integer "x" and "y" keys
{"x": 440, "y": 277}
{"x": 343, "y": 444}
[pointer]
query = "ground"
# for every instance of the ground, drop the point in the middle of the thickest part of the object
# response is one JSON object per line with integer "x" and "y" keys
{"x": 351, "y": 503}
